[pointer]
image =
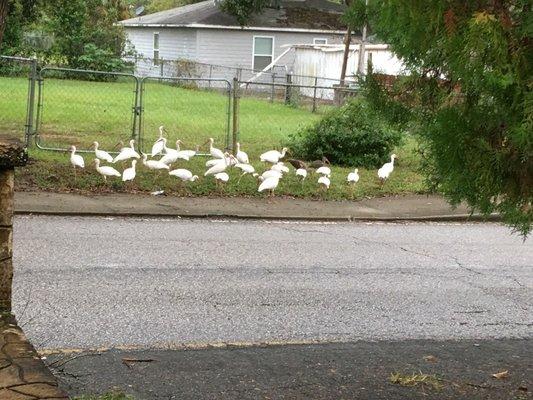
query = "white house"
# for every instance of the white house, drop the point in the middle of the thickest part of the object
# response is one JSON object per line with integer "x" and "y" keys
{"x": 203, "y": 33}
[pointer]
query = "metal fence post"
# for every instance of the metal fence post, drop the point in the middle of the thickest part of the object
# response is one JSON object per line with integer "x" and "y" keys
{"x": 210, "y": 75}
{"x": 314, "y": 94}
{"x": 39, "y": 115}
{"x": 273, "y": 88}
{"x": 235, "y": 130}
{"x": 288, "y": 90}
{"x": 30, "y": 130}
{"x": 137, "y": 111}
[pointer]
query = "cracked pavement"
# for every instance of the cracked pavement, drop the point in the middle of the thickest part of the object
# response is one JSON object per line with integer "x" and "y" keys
{"x": 87, "y": 282}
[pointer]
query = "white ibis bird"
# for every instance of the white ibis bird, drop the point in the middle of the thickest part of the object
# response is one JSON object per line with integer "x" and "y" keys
{"x": 301, "y": 172}
{"x": 326, "y": 171}
{"x": 387, "y": 168}
{"x": 106, "y": 170}
{"x": 241, "y": 156}
{"x": 154, "y": 164}
{"x": 324, "y": 181}
{"x": 129, "y": 173}
{"x": 273, "y": 156}
{"x": 245, "y": 168}
{"x": 220, "y": 166}
{"x": 127, "y": 152}
{"x": 183, "y": 174}
{"x": 210, "y": 163}
{"x": 222, "y": 177}
{"x": 281, "y": 167}
{"x": 160, "y": 143}
{"x": 269, "y": 173}
{"x": 353, "y": 177}
{"x": 75, "y": 159}
{"x": 269, "y": 184}
{"x": 215, "y": 153}
{"x": 190, "y": 153}
{"x": 172, "y": 155}
{"x": 101, "y": 154}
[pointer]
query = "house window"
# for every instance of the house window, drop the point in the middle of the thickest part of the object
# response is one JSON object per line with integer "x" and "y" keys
{"x": 156, "y": 48}
{"x": 263, "y": 52}
{"x": 320, "y": 41}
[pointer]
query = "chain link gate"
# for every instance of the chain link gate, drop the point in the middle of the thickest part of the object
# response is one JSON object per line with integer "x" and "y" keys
{"x": 190, "y": 109}
{"x": 78, "y": 107}
{"x": 17, "y": 104}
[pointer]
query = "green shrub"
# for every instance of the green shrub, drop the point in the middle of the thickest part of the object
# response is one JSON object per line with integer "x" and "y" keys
{"x": 97, "y": 59}
{"x": 352, "y": 135}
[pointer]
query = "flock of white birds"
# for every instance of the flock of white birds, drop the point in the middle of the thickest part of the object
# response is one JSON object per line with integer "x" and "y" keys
{"x": 216, "y": 167}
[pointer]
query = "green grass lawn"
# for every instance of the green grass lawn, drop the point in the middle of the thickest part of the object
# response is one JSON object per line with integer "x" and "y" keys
{"x": 78, "y": 112}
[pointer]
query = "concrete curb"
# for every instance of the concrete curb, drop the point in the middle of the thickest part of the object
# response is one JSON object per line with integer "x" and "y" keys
{"x": 400, "y": 218}
{"x": 386, "y": 209}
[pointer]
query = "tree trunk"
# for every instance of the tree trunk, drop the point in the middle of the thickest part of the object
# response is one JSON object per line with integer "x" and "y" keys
{"x": 4, "y": 6}
{"x": 347, "y": 40}
{"x": 361, "y": 63}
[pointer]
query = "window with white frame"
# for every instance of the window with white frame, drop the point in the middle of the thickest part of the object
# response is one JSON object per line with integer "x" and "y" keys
{"x": 156, "y": 48}
{"x": 320, "y": 41}
{"x": 263, "y": 52}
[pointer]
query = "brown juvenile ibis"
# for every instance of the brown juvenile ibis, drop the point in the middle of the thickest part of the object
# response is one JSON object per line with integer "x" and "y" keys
{"x": 298, "y": 164}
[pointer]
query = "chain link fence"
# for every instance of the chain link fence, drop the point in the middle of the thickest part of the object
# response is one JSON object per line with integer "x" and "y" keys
{"x": 272, "y": 112}
{"x": 190, "y": 109}
{"x": 78, "y": 107}
{"x": 17, "y": 96}
{"x": 61, "y": 106}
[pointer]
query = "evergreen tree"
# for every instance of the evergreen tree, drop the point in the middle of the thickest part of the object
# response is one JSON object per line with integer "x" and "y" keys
{"x": 468, "y": 94}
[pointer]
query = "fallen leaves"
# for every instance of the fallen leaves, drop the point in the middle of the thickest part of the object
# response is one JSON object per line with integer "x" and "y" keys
{"x": 501, "y": 375}
{"x": 419, "y": 379}
{"x": 129, "y": 361}
{"x": 431, "y": 359}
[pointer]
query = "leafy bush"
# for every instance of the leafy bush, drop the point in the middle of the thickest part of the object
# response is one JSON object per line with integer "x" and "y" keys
{"x": 352, "y": 135}
{"x": 97, "y": 59}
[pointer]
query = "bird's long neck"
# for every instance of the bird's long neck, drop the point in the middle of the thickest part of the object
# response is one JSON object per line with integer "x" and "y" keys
{"x": 392, "y": 160}
{"x": 283, "y": 153}
{"x": 178, "y": 145}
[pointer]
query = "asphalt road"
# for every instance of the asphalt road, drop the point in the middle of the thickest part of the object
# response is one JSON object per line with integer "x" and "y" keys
{"x": 455, "y": 370}
{"x": 101, "y": 282}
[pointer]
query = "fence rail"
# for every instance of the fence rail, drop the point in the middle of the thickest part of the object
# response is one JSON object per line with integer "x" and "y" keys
{"x": 18, "y": 121}
{"x": 59, "y": 107}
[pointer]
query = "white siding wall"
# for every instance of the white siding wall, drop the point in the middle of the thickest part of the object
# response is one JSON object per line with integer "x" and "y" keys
{"x": 174, "y": 43}
{"x": 231, "y": 48}
{"x": 234, "y": 48}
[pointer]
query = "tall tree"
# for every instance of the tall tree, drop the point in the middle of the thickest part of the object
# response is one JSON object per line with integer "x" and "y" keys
{"x": 468, "y": 94}
{"x": 4, "y": 9}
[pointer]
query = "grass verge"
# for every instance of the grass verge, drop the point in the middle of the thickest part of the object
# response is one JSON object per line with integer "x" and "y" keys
{"x": 79, "y": 112}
